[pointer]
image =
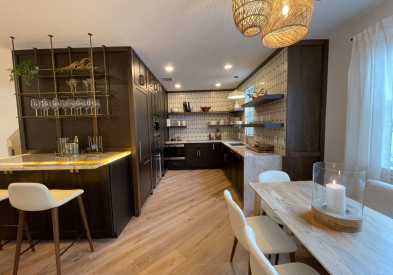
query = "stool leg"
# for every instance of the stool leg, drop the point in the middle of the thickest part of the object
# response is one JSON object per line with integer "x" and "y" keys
{"x": 56, "y": 238}
{"x": 19, "y": 240}
{"x": 28, "y": 236}
{"x": 292, "y": 257}
{"x": 233, "y": 249}
{"x": 83, "y": 214}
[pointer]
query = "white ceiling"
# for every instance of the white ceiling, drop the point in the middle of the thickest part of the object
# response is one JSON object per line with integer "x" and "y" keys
{"x": 196, "y": 37}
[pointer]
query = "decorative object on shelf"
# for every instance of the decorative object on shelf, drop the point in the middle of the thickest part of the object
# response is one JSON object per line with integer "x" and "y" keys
{"x": 168, "y": 122}
{"x": 221, "y": 122}
{"x": 183, "y": 123}
{"x": 213, "y": 122}
{"x": 251, "y": 15}
{"x": 185, "y": 107}
{"x": 262, "y": 92}
{"x": 174, "y": 110}
{"x": 66, "y": 149}
{"x": 78, "y": 65}
{"x": 288, "y": 23}
{"x": 338, "y": 191}
{"x": 236, "y": 106}
{"x": 238, "y": 122}
{"x": 26, "y": 69}
{"x": 205, "y": 109}
{"x": 188, "y": 107}
{"x": 236, "y": 94}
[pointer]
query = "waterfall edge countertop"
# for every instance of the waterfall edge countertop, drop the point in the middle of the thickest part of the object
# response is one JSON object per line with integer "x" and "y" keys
{"x": 52, "y": 162}
{"x": 241, "y": 150}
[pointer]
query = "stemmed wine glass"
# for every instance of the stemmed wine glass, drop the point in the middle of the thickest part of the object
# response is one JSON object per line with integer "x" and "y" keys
{"x": 74, "y": 82}
{"x": 55, "y": 104}
{"x": 64, "y": 106}
{"x": 84, "y": 105}
{"x": 98, "y": 105}
{"x": 35, "y": 104}
{"x": 70, "y": 103}
{"x": 90, "y": 104}
{"x": 45, "y": 106}
{"x": 69, "y": 82}
{"x": 78, "y": 105}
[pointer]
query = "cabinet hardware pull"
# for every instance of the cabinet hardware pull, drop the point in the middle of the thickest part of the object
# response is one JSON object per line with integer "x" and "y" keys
{"x": 146, "y": 161}
{"x": 213, "y": 146}
{"x": 140, "y": 151}
{"x": 141, "y": 80}
{"x": 225, "y": 157}
{"x": 175, "y": 163}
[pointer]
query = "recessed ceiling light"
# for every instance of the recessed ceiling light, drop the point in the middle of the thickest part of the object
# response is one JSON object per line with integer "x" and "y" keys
{"x": 169, "y": 68}
{"x": 177, "y": 86}
{"x": 228, "y": 66}
{"x": 218, "y": 84}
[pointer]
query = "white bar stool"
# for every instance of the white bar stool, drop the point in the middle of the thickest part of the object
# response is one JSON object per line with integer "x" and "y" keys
{"x": 37, "y": 197}
{"x": 4, "y": 196}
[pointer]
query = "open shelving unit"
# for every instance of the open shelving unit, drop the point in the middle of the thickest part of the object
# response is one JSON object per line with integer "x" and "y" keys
{"x": 197, "y": 113}
{"x": 177, "y": 127}
{"x": 261, "y": 125}
{"x": 262, "y": 100}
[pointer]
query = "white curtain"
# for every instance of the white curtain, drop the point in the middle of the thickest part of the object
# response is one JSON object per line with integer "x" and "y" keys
{"x": 369, "y": 108}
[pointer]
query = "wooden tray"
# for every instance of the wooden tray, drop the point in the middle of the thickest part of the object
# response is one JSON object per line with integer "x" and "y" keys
{"x": 264, "y": 149}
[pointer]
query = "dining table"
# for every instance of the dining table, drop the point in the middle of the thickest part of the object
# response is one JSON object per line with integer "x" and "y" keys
{"x": 367, "y": 252}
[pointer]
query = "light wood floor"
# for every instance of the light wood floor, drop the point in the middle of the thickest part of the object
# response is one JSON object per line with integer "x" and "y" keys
{"x": 184, "y": 229}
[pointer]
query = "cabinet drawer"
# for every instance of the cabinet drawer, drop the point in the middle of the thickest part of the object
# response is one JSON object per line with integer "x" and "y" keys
{"x": 176, "y": 164}
{"x": 199, "y": 145}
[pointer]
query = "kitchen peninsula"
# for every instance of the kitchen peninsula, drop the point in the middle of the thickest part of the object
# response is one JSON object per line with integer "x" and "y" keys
{"x": 105, "y": 178}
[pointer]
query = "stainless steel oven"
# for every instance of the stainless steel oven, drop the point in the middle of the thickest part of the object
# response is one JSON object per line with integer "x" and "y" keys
{"x": 174, "y": 152}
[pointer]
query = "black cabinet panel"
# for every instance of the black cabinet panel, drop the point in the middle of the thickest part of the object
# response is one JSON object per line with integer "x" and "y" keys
{"x": 216, "y": 154}
{"x": 176, "y": 164}
{"x": 142, "y": 122}
{"x": 192, "y": 157}
{"x": 145, "y": 180}
{"x": 240, "y": 175}
{"x": 205, "y": 154}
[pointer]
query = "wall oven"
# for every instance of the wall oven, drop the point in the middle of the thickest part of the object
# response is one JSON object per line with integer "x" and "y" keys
{"x": 174, "y": 152}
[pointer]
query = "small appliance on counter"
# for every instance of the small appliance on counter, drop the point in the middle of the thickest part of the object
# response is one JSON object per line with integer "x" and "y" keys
{"x": 66, "y": 149}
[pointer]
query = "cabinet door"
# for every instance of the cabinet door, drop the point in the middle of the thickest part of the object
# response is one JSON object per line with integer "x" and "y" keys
{"x": 205, "y": 156}
{"x": 192, "y": 157}
{"x": 240, "y": 175}
{"x": 136, "y": 69}
{"x": 216, "y": 154}
{"x": 142, "y": 75}
{"x": 233, "y": 167}
{"x": 145, "y": 181}
{"x": 142, "y": 122}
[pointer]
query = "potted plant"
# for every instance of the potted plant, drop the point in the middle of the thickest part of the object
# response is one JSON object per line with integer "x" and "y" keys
{"x": 26, "y": 70}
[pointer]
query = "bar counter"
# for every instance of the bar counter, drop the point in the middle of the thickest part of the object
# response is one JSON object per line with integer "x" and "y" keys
{"x": 108, "y": 192}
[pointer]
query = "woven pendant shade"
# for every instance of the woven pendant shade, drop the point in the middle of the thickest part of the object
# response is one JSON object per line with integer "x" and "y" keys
{"x": 251, "y": 15}
{"x": 288, "y": 23}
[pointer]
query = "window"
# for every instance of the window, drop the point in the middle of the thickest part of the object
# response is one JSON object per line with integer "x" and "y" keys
{"x": 248, "y": 113}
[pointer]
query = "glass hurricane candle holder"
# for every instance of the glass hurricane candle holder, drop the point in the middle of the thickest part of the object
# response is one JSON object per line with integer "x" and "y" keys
{"x": 337, "y": 197}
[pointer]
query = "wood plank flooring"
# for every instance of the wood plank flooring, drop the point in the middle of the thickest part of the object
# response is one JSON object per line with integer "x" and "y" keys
{"x": 184, "y": 229}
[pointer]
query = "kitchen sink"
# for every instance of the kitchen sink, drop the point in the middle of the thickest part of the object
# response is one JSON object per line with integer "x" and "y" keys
{"x": 236, "y": 144}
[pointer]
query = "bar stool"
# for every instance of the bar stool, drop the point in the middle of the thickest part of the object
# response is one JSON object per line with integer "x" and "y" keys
{"x": 37, "y": 197}
{"x": 4, "y": 196}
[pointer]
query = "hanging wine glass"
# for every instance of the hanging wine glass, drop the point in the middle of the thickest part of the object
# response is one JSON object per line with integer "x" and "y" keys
{"x": 70, "y": 103}
{"x": 98, "y": 105}
{"x": 35, "y": 105}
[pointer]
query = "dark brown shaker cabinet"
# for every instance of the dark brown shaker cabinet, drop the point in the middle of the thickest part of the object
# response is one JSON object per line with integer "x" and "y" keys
{"x": 216, "y": 155}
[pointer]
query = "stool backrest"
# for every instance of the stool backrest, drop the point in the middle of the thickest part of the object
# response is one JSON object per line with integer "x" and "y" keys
{"x": 378, "y": 196}
{"x": 30, "y": 196}
{"x": 273, "y": 176}
{"x": 258, "y": 262}
{"x": 238, "y": 221}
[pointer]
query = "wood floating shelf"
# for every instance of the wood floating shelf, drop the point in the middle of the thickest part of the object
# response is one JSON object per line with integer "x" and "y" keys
{"x": 262, "y": 125}
{"x": 236, "y": 110}
{"x": 176, "y": 126}
{"x": 65, "y": 116}
{"x": 225, "y": 125}
{"x": 64, "y": 94}
{"x": 197, "y": 113}
{"x": 262, "y": 100}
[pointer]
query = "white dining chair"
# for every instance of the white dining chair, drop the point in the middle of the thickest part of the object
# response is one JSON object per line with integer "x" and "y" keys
{"x": 37, "y": 197}
{"x": 378, "y": 196}
{"x": 3, "y": 196}
{"x": 269, "y": 236}
{"x": 261, "y": 266}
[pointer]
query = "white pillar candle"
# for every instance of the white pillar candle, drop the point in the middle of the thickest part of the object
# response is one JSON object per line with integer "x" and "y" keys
{"x": 335, "y": 197}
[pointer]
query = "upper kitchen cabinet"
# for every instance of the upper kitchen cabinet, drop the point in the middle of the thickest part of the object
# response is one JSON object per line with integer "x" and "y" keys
{"x": 140, "y": 72}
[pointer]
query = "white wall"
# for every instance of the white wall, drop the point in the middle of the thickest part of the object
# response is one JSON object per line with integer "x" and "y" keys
{"x": 340, "y": 49}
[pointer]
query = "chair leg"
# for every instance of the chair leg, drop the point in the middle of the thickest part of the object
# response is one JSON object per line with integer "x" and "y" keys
{"x": 277, "y": 255}
{"x": 249, "y": 265}
{"x": 19, "y": 239}
{"x": 28, "y": 236}
{"x": 83, "y": 214}
{"x": 292, "y": 257}
{"x": 263, "y": 213}
{"x": 282, "y": 226}
{"x": 233, "y": 249}
{"x": 269, "y": 256}
{"x": 56, "y": 238}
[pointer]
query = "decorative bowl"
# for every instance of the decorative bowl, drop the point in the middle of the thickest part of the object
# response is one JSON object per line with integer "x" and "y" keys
{"x": 174, "y": 110}
{"x": 205, "y": 109}
{"x": 239, "y": 122}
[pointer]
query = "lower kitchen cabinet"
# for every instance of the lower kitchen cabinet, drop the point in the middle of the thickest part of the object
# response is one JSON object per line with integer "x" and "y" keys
{"x": 216, "y": 155}
{"x": 192, "y": 157}
{"x": 176, "y": 164}
{"x": 233, "y": 165}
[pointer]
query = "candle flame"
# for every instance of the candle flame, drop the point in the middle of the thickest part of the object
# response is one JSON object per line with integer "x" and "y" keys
{"x": 339, "y": 172}
{"x": 334, "y": 182}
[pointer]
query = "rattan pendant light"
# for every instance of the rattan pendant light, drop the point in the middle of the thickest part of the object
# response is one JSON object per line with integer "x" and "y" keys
{"x": 251, "y": 15}
{"x": 288, "y": 23}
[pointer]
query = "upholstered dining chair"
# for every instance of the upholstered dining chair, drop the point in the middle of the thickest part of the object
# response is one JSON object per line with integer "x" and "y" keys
{"x": 37, "y": 197}
{"x": 378, "y": 196}
{"x": 3, "y": 196}
{"x": 269, "y": 237}
{"x": 261, "y": 266}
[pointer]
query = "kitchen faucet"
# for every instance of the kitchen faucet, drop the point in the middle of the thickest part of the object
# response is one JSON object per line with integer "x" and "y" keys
{"x": 245, "y": 134}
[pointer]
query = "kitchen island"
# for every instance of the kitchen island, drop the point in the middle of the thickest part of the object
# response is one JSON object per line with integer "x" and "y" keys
{"x": 241, "y": 165}
{"x": 108, "y": 192}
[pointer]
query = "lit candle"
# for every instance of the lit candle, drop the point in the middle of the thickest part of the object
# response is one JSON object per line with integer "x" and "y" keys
{"x": 335, "y": 197}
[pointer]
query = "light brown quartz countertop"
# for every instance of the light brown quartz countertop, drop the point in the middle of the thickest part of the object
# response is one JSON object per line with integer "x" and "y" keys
{"x": 52, "y": 162}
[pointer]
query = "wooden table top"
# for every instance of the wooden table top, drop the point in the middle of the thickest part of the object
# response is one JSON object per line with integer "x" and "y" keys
{"x": 367, "y": 252}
